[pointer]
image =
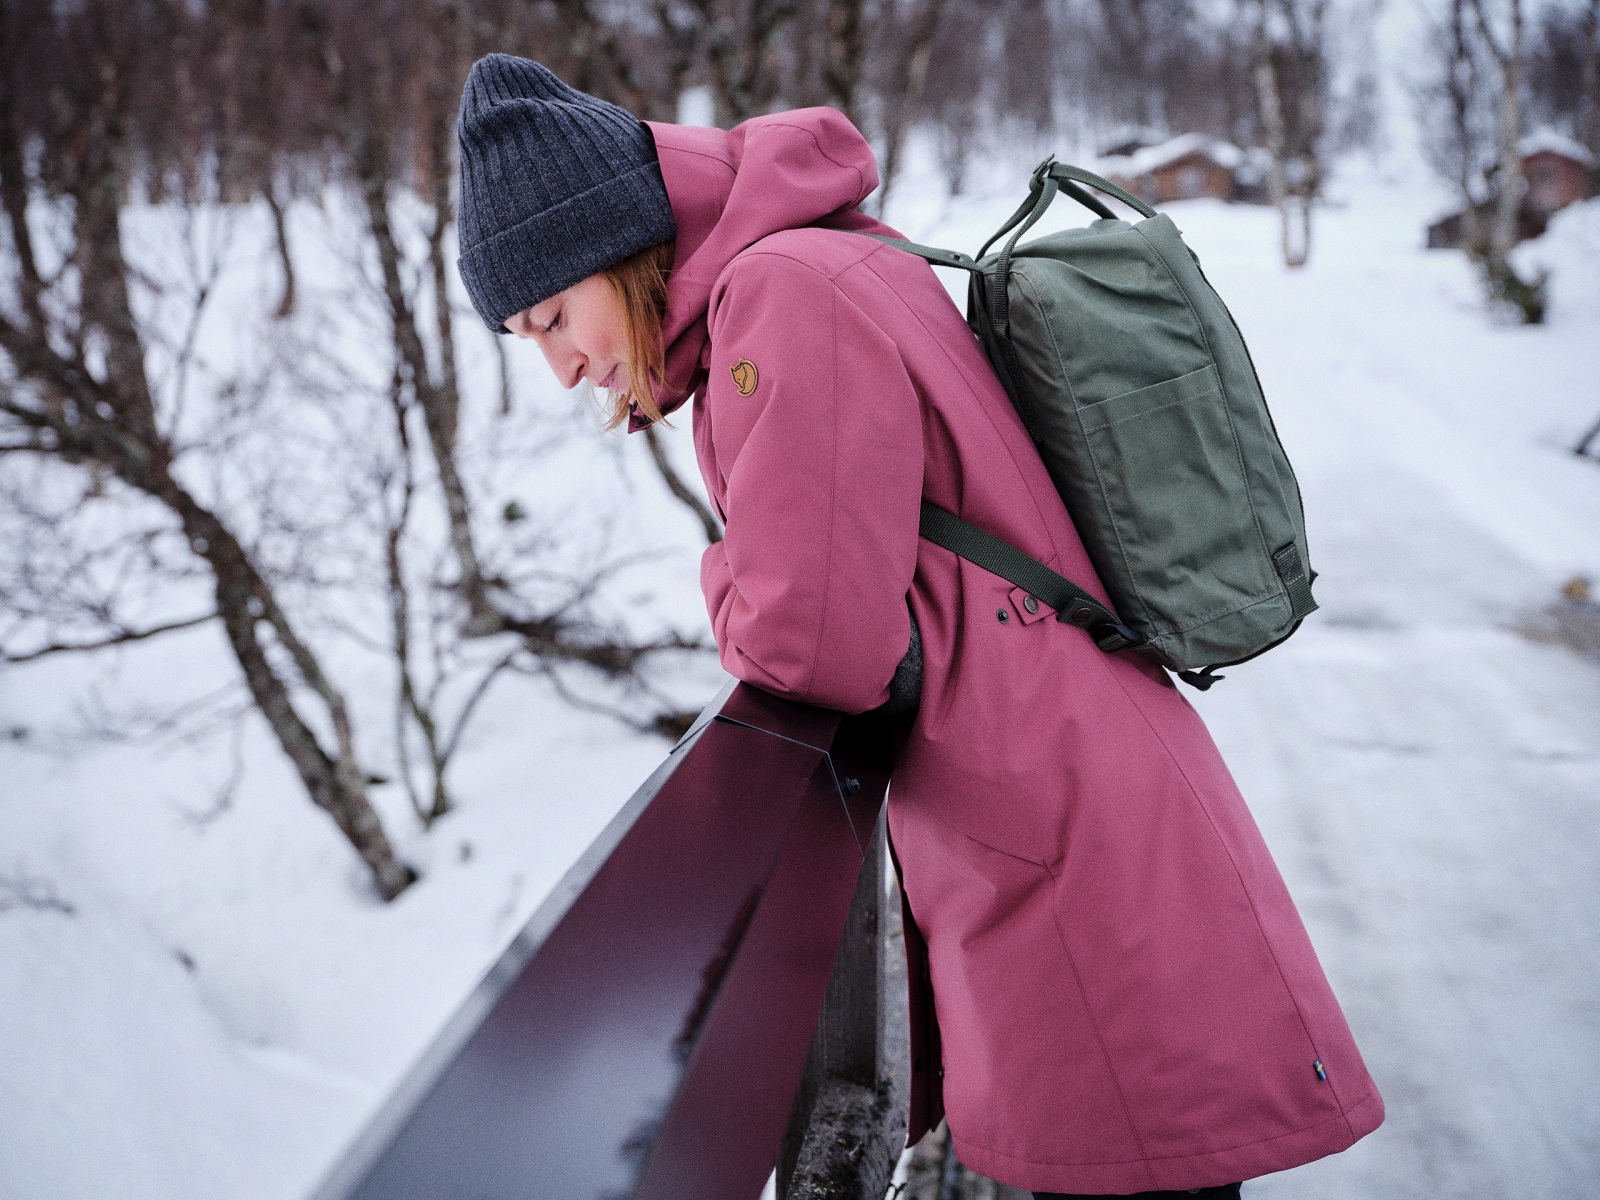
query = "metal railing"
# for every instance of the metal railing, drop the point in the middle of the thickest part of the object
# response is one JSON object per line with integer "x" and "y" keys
{"x": 700, "y": 1000}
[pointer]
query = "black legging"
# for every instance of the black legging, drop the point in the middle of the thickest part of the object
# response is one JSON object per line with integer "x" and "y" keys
{"x": 1228, "y": 1191}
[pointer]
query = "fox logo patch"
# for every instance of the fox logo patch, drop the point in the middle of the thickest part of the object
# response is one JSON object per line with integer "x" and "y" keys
{"x": 745, "y": 376}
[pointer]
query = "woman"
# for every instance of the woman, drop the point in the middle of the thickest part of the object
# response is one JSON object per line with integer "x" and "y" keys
{"x": 1124, "y": 998}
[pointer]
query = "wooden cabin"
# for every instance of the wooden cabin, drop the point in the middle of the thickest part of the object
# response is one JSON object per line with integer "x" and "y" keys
{"x": 1556, "y": 172}
{"x": 1187, "y": 167}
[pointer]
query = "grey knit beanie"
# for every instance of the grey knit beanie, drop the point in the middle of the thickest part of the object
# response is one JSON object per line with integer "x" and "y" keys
{"x": 555, "y": 185}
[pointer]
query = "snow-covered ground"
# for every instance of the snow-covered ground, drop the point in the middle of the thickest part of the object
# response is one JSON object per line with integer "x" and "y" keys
{"x": 215, "y": 1005}
{"x": 1429, "y": 779}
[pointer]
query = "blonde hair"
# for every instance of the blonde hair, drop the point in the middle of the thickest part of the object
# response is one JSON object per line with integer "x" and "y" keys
{"x": 641, "y": 283}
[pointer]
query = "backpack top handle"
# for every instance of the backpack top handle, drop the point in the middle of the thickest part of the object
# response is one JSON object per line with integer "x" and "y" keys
{"x": 1049, "y": 178}
{"x": 1067, "y": 179}
{"x": 1068, "y": 175}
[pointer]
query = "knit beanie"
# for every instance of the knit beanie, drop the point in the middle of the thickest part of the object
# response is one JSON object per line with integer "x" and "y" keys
{"x": 556, "y": 185}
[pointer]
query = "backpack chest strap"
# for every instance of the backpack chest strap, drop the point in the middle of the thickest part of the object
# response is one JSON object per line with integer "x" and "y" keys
{"x": 1072, "y": 604}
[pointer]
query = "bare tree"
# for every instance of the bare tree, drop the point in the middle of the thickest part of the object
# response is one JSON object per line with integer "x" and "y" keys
{"x": 741, "y": 38}
{"x": 76, "y": 387}
{"x": 911, "y": 37}
{"x": 1457, "y": 120}
{"x": 846, "y": 46}
{"x": 1138, "y": 38}
{"x": 1291, "y": 87}
{"x": 1472, "y": 122}
{"x": 1149, "y": 68}
{"x": 1562, "y": 73}
{"x": 395, "y": 104}
{"x": 430, "y": 656}
{"x": 1589, "y": 119}
{"x": 1506, "y": 46}
{"x": 956, "y": 106}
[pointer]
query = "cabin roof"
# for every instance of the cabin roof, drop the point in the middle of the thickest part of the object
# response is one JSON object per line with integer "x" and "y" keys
{"x": 1548, "y": 141}
{"x": 1154, "y": 158}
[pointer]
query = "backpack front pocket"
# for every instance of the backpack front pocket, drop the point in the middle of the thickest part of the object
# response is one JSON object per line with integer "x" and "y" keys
{"x": 1185, "y": 533}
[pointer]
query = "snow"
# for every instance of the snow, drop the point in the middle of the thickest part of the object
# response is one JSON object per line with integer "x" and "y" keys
{"x": 1153, "y": 158}
{"x": 1427, "y": 777}
{"x": 1571, "y": 242}
{"x": 1138, "y": 136}
{"x": 211, "y": 1000}
{"x": 221, "y": 980}
{"x": 1556, "y": 143}
{"x": 226, "y": 1003}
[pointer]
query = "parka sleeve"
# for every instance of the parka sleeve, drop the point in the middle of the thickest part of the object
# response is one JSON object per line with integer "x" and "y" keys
{"x": 822, "y": 464}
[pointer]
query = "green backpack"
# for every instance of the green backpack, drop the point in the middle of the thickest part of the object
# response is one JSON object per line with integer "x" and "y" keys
{"x": 1134, "y": 381}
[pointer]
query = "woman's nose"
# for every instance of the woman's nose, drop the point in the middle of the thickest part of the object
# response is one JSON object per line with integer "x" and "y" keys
{"x": 567, "y": 365}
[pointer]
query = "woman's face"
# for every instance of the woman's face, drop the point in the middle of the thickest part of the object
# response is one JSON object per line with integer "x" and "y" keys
{"x": 582, "y": 332}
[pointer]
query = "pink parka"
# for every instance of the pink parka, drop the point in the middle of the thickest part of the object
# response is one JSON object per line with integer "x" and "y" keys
{"x": 1123, "y": 996}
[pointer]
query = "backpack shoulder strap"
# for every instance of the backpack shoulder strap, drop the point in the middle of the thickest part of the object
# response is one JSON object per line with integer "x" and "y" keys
{"x": 1072, "y": 604}
{"x": 939, "y": 258}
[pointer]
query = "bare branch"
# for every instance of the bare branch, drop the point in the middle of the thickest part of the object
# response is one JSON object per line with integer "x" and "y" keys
{"x": 34, "y": 894}
{"x": 120, "y": 638}
{"x": 908, "y": 82}
{"x": 1502, "y": 54}
{"x": 474, "y": 698}
{"x": 680, "y": 489}
{"x": 280, "y": 229}
{"x": 669, "y": 723}
{"x": 228, "y": 790}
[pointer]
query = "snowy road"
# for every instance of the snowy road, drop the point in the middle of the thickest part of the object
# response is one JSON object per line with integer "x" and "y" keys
{"x": 1428, "y": 778}
{"x": 1430, "y": 785}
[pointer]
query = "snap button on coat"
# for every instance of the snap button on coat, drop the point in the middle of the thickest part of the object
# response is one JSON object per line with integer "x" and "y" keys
{"x": 1030, "y": 614}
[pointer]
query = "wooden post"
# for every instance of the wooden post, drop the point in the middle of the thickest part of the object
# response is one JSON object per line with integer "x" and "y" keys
{"x": 848, "y": 1123}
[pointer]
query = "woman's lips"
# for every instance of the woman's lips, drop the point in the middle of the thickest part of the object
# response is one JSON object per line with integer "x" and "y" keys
{"x": 605, "y": 384}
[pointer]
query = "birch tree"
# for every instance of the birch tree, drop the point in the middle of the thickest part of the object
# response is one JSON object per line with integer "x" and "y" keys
{"x": 1504, "y": 41}
{"x": 1291, "y": 70}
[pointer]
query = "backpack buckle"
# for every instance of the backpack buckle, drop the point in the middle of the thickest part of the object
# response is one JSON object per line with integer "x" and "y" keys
{"x": 1112, "y": 636}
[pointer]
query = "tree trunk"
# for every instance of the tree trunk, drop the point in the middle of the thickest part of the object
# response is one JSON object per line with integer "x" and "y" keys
{"x": 1289, "y": 93}
{"x": 337, "y": 785}
{"x": 1589, "y": 114}
{"x": 1296, "y": 231}
{"x": 1509, "y": 199}
{"x": 1270, "y": 101}
{"x": 1508, "y": 190}
{"x": 280, "y": 229}
{"x": 675, "y": 484}
{"x": 910, "y": 80}
{"x": 736, "y": 52}
{"x": 114, "y": 423}
{"x": 845, "y": 48}
{"x": 1462, "y": 88}
{"x": 440, "y": 401}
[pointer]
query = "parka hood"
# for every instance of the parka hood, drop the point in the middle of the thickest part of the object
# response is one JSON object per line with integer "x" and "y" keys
{"x": 729, "y": 188}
